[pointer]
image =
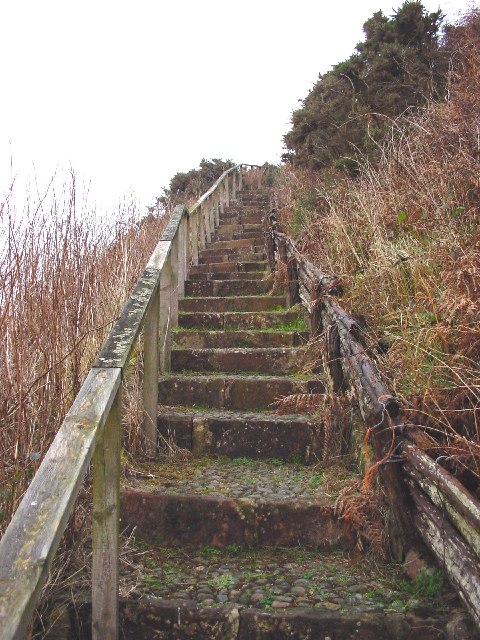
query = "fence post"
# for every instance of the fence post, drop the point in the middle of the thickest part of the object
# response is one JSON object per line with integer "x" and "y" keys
{"x": 206, "y": 225}
{"x": 150, "y": 374}
{"x": 187, "y": 243}
{"x": 180, "y": 241}
{"x": 222, "y": 198}
{"x": 201, "y": 229}
{"x": 234, "y": 186}
{"x": 240, "y": 178}
{"x": 165, "y": 315}
{"x": 217, "y": 210}
{"x": 259, "y": 184}
{"x": 193, "y": 220}
{"x": 227, "y": 192}
{"x": 105, "y": 525}
{"x": 174, "y": 283}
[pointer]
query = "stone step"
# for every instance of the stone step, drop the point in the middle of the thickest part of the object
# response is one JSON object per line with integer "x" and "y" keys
{"x": 250, "y": 202}
{"x": 258, "y": 236}
{"x": 236, "y": 392}
{"x": 235, "y": 228}
{"x": 222, "y": 502}
{"x": 242, "y": 218}
{"x": 288, "y": 320}
{"x": 237, "y": 303}
{"x": 232, "y": 275}
{"x": 200, "y": 617}
{"x": 278, "y": 361}
{"x": 225, "y": 339}
{"x": 218, "y": 288}
{"x": 237, "y": 434}
{"x": 228, "y": 267}
{"x": 244, "y": 254}
{"x": 232, "y": 244}
{"x": 234, "y": 256}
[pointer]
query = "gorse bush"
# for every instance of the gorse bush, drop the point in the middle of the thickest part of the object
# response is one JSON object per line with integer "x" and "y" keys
{"x": 404, "y": 235}
{"x": 401, "y": 63}
{"x": 64, "y": 276}
{"x": 187, "y": 187}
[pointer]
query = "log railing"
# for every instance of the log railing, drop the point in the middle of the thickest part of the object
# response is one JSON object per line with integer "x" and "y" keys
{"x": 425, "y": 498}
{"x": 92, "y": 428}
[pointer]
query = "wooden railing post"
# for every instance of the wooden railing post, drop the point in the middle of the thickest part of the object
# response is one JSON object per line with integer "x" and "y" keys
{"x": 105, "y": 526}
{"x": 180, "y": 242}
{"x": 165, "y": 317}
{"x": 212, "y": 212}
{"x": 259, "y": 183}
{"x": 174, "y": 283}
{"x": 234, "y": 186}
{"x": 240, "y": 178}
{"x": 227, "y": 192}
{"x": 206, "y": 225}
{"x": 222, "y": 198}
{"x": 209, "y": 215}
{"x": 187, "y": 242}
{"x": 151, "y": 359}
{"x": 193, "y": 220}
{"x": 217, "y": 210}
{"x": 201, "y": 230}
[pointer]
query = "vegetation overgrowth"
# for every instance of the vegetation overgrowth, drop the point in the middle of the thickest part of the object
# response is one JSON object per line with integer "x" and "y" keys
{"x": 402, "y": 63}
{"x": 64, "y": 276}
{"x": 187, "y": 187}
{"x": 404, "y": 236}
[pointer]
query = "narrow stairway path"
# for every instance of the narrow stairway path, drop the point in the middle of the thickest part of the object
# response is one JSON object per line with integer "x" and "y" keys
{"x": 239, "y": 540}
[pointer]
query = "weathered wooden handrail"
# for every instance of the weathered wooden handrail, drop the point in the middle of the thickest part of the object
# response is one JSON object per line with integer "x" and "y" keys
{"x": 92, "y": 428}
{"x": 447, "y": 516}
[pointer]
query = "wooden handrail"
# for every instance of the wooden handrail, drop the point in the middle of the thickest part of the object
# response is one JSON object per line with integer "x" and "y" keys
{"x": 91, "y": 431}
{"x": 447, "y": 515}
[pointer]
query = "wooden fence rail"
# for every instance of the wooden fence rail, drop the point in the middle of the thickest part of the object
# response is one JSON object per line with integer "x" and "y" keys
{"x": 92, "y": 428}
{"x": 426, "y": 499}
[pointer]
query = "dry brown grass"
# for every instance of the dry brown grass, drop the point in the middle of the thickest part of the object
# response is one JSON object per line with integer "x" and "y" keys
{"x": 64, "y": 276}
{"x": 405, "y": 238}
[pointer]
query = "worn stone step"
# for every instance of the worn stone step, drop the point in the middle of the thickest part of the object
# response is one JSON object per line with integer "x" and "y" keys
{"x": 238, "y": 392}
{"x": 232, "y": 244}
{"x": 217, "y": 288}
{"x": 238, "y": 228}
{"x": 225, "y": 339}
{"x": 229, "y": 275}
{"x": 220, "y": 502}
{"x": 270, "y": 593}
{"x": 216, "y": 257}
{"x": 237, "y": 303}
{"x": 253, "y": 196}
{"x": 296, "y": 438}
{"x": 246, "y": 254}
{"x": 258, "y": 236}
{"x": 183, "y": 619}
{"x": 242, "y": 218}
{"x": 288, "y": 320}
{"x": 228, "y": 267}
{"x": 278, "y": 361}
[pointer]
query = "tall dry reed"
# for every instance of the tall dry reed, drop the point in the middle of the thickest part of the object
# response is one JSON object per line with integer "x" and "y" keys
{"x": 64, "y": 276}
{"x": 405, "y": 237}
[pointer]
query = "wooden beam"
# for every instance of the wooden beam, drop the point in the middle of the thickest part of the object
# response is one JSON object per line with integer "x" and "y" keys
{"x": 456, "y": 557}
{"x": 30, "y": 541}
{"x": 105, "y": 526}
{"x": 151, "y": 361}
{"x": 118, "y": 346}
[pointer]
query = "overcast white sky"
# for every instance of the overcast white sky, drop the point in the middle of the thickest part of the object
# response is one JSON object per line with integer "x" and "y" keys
{"x": 130, "y": 93}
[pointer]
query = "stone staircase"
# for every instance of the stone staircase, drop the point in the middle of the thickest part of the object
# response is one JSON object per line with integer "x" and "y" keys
{"x": 239, "y": 540}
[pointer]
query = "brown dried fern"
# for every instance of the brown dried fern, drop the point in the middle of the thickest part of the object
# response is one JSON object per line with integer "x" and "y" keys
{"x": 359, "y": 509}
{"x": 279, "y": 278}
{"x": 299, "y": 403}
